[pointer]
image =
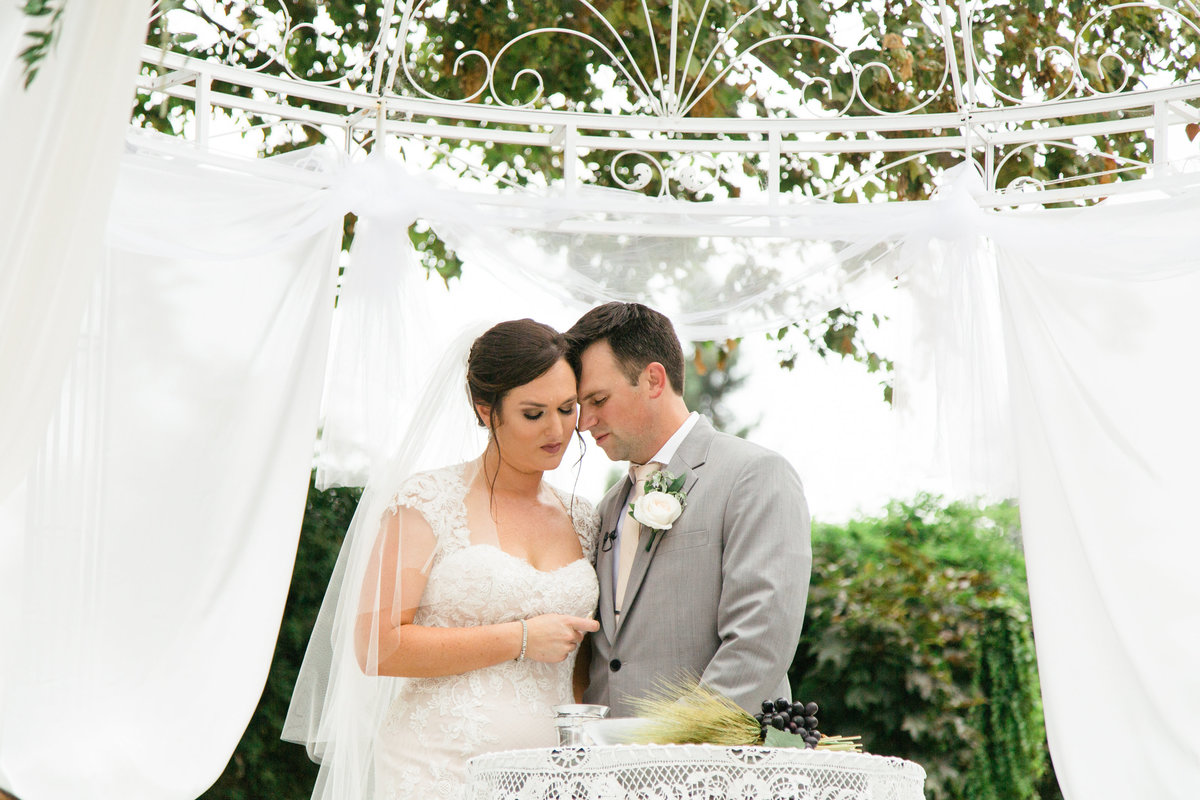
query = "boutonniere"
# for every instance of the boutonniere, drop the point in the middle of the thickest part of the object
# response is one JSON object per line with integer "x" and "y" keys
{"x": 661, "y": 505}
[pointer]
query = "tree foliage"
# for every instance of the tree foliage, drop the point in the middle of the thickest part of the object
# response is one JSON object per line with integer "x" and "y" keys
{"x": 918, "y": 638}
{"x": 713, "y": 375}
{"x": 40, "y": 40}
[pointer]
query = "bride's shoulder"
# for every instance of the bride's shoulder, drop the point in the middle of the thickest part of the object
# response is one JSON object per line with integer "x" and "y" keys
{"x": 430, "y": 486}
{"x": 572, "y": 501}
{"x": 583, "y": 513}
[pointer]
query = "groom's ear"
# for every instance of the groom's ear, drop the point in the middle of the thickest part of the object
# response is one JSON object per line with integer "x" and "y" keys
{"x": 656, "y": 379}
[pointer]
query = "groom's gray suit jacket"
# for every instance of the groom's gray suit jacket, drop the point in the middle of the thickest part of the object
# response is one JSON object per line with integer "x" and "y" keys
{"x": 719, "y": 596}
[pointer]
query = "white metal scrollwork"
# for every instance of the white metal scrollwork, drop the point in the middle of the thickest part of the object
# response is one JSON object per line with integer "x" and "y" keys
{"x": 649, "y": 127}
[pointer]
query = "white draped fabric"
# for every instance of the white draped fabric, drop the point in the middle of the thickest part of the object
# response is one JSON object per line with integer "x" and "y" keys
{"x": 159, "y": 524}
{"x": 1104, "y": 412}
{"x": 59, "y": 141}
{"x": 55, "y": 187}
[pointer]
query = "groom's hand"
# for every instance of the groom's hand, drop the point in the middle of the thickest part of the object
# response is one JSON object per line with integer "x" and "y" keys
{"x": 553, "y": 637}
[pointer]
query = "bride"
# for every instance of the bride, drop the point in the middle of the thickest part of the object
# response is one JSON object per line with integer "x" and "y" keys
{"x": 461, "y": 596}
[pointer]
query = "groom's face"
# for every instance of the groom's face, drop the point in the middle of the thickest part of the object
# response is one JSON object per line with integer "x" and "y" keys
{"x": 614, "y": 411}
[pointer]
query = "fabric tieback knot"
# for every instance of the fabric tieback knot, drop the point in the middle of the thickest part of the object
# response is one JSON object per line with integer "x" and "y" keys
{"x": 631, "y": 533}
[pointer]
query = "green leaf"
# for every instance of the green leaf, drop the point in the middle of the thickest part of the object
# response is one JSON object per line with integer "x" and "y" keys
{"x": 778, "y": 738}
{"x": 677, "y": 484}
{"x": 40, "y": 40}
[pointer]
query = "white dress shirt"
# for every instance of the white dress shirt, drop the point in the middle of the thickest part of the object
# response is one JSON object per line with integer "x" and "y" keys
{"x": 663, "y": 456}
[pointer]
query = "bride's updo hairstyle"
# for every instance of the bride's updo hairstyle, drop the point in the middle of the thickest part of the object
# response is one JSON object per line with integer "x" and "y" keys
{"x": 508, "y": 355}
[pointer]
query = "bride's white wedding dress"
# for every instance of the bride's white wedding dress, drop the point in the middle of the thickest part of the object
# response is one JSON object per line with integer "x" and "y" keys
{"x": 436, "y": 724}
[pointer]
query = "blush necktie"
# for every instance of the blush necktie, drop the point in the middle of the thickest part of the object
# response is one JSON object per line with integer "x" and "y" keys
{"x": 631, "y": 533}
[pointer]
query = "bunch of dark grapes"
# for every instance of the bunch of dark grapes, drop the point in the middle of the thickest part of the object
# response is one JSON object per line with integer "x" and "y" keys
{"x": 798, "y": 718}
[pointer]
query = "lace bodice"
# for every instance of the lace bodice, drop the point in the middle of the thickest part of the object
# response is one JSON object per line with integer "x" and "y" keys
{"x": 435, "y": 724}
{"x": 440, "y": 496}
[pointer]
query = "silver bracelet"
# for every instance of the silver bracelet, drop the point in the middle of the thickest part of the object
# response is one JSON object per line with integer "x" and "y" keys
{"x": 524, "y": 641}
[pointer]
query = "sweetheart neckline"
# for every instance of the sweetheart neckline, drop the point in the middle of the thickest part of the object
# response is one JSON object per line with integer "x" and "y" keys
{"x": 494, "y": 548}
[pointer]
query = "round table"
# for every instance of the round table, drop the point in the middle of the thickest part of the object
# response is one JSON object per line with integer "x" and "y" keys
{"x": 691, "y": 772}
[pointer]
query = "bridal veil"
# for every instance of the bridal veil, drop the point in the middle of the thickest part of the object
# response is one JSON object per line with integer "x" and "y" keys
{"x": 340, "y": 701}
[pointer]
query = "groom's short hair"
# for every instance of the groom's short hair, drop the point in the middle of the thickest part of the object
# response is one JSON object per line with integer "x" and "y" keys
{"x": 638, "y": 336}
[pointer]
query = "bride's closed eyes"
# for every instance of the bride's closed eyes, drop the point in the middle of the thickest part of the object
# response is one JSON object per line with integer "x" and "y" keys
{"x": 566, "y": 411}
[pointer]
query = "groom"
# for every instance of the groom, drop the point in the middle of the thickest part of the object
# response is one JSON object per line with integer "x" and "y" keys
{"x": 720, "y": 594}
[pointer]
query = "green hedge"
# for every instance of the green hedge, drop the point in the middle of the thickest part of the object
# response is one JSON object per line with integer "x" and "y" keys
{"x": 917, "y": 637}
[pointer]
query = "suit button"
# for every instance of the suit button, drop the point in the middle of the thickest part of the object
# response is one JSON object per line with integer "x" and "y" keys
{"x": 614, "y": 665}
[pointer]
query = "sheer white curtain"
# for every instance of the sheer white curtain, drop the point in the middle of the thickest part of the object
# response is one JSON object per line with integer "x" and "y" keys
{"x": 1104, "y": 399}
{"x": 160, "y": 524}
{"x": 59, "y": 144}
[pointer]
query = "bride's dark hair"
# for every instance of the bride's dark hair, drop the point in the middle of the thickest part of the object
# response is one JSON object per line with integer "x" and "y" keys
{"x": 508, "y": 355}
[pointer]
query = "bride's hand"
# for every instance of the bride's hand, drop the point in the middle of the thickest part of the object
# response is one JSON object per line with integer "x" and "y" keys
{"x": 552, "y": 637}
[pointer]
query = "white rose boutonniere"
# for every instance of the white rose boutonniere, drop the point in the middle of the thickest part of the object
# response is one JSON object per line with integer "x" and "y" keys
{"x": 661, "y": 505}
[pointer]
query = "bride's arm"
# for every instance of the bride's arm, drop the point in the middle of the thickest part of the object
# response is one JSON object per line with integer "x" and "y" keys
{"x": 388, "y": 643}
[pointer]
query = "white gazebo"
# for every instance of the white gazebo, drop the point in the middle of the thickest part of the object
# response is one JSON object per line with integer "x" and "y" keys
{"x": 166, "y": 309}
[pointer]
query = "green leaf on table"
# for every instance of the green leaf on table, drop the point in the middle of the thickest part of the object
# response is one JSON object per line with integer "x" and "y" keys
{"x": 778, "y": 738}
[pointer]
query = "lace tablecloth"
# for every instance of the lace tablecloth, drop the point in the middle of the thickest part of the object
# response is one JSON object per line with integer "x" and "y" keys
{"x": 687, "y": 772}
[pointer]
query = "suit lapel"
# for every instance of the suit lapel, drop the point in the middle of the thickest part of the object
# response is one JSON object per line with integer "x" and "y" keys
{"x": 610, "y": 511}
{"x": 689, "y": 458}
